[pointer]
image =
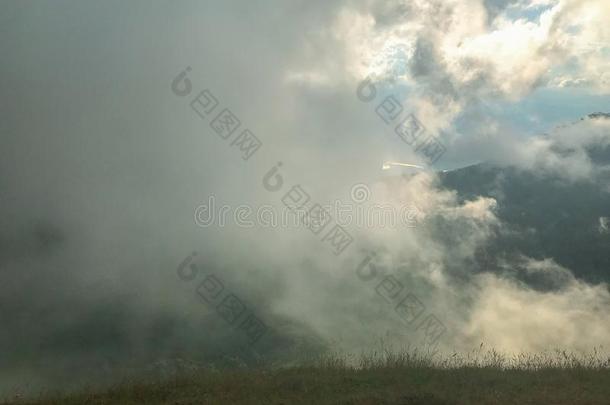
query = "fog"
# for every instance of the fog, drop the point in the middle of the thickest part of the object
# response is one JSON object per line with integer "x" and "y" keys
{"x": 105, "y": 161}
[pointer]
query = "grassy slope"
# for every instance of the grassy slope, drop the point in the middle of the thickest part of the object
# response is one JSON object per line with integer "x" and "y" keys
{"x": 335, "y": 384}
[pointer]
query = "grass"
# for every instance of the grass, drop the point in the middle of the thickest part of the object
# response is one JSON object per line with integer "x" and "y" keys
{"x": 382, "y": 377}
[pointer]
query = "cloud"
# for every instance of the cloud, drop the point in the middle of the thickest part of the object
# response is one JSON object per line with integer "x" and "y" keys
{"x": 450, "y": 55}
{"x": 568, "y": 151}
{"x": 518, "y": 319}
{"x": 102, "y": 167}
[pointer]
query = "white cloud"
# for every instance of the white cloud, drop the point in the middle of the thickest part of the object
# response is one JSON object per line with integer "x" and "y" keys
{"x": 513, "y": 318}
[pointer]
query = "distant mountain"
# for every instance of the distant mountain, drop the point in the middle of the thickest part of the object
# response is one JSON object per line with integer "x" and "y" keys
{"x": 544, "y": 217}
{"x": 599, "y": 115}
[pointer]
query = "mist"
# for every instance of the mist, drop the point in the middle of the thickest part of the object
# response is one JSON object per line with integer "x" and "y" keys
{"x": 109, "y": 151}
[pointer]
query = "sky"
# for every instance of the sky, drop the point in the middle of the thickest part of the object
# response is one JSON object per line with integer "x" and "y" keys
{"x": 104, "y": 163}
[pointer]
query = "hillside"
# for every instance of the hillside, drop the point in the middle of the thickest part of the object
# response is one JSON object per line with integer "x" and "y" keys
{"x": 397, "y": 380}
